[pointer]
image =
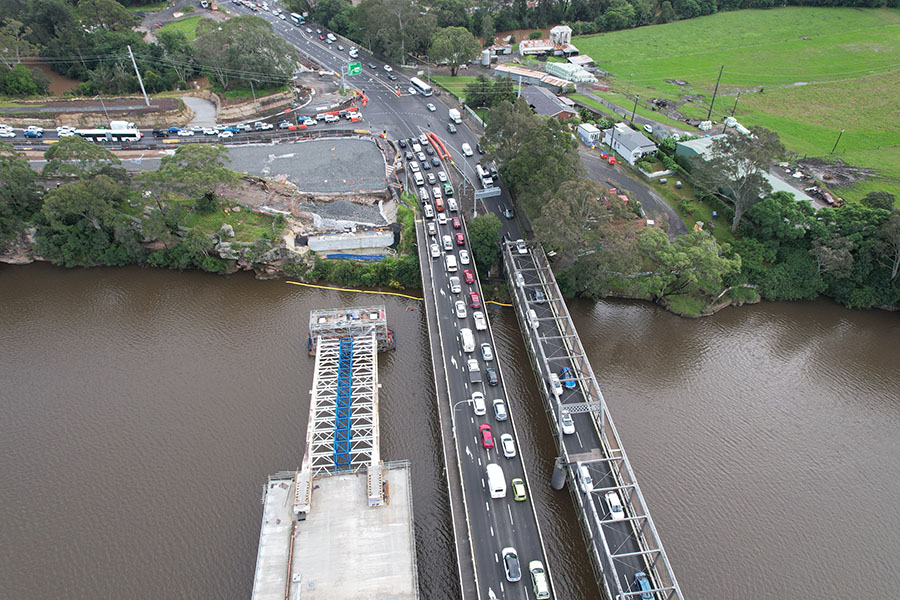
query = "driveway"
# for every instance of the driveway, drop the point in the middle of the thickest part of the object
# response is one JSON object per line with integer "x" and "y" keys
{"x": 654, "y": 205}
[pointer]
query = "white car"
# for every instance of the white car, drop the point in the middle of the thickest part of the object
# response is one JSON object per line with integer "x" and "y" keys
{"x": 464, "y": 257}
{"x": 486, "y": 353}
{"x": 220, "y": 127}
{"x": 66, "y": 133}
{"x": 224, "y": 135}
{"x": 508, "y": 445}
{"x": 332, "y": 118}
{"x": 480, "y": 321}
{"x": 467, "y": 149}
{"x": 197, "y": 128}
{"x": 520, "y": 279}
{"x": 555, "y": 385}
{"x": 447, "y": 241}
{"x": 521, "y": 248}
{"x": 185, "y": 133}
{"x": 411, "y": 90}
{"x": 442, "y": 219}
{"x": 568, "y": 424}
{"x": 478, "y": 403}
{"x": 454, "y": 285}
{"x": 442, "y": 177}
{"x": 63, "y": 128}
{"x": 432, "y": 230}
{"x": 210, "y": 131}
{"x": 435, "y": 251}
{"x": 282, "y": 17}
{"x": 421, "y": 156}
{"x": 7, "y": 133}
{"x": 430, "y": 107}
{"x": 616, "y": 510}
{"x": 460, "y": 307}
{"x": 388, "y": 68}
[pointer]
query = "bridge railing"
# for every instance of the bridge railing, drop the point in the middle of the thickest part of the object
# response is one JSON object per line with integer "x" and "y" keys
{"x": 643, "y": 528}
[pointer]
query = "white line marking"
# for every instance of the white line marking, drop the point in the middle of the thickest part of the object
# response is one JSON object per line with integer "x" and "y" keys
{"x": 509, "y": 508}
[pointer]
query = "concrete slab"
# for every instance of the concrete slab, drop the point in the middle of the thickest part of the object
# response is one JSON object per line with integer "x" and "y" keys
{"x": 346, "y": 550}
{"x": 274, "y": 541}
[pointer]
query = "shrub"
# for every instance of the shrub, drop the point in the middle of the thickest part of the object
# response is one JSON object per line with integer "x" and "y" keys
{"x": 535, "y": 35}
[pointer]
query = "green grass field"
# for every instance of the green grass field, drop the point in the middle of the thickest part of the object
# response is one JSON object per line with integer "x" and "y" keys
{"x": 188, "y": 26}
{"x": 806, "y": 73}
{"x": 454, "y": 85}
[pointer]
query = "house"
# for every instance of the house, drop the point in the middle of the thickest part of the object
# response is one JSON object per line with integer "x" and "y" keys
{"x": 630, "y": 144}
{"x": 558, "y": 44}
{"x": 589, "y": 134}
{"x": 523, "y": 76}
{"x": 545, "y": 102}
{"x": 701, "y": 147}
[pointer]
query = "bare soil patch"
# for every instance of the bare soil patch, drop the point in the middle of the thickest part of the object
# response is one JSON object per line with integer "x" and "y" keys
{"x": 837, "y": 173}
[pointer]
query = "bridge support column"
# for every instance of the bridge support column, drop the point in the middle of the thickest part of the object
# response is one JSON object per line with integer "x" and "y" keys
{"x": 558, "y": 480}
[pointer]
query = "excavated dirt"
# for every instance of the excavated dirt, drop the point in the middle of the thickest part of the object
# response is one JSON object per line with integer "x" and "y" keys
{"x": 835, "y": 174}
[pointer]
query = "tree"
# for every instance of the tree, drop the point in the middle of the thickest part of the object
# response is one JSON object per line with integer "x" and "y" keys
{"x": 451, "y": 13}
{"x": 454, "y": 46}
{"x": 179, "y": 54}
{"x": 695, "y": 262}
{"x": 780, "y": 219}
{"x": 487, "y": 29}
{"x": 889, "y": 234}
{"x": 619, "y": 15}
{"x": 244, "y": 49}
{"x": 882, "y": 200}
{"x": 484, "y": 239}
{"x": 833, "y": 255}
{"x": 738, "y": 165}
{"x": 192, "y": 171}
{"x": 14, "y": 43}
{"x": 107, "y": 14}
{"x": 74, "y": 156}
{"x": 666, "y": 12}
{"x": 19, "y": 195}
{"x": 571, "y": 222}
{"x": 82, "y": 225}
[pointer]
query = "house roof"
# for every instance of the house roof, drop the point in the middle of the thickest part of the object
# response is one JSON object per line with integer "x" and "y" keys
{"x": 544, "y": 101}
{"x": 629, "y": 138}
{"x": 581, "y": 60}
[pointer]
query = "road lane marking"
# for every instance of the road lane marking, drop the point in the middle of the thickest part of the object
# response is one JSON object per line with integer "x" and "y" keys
{"x": 509, "y": 508}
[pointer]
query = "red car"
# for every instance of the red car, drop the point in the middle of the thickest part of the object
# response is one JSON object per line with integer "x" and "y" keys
{"x": 469, "y": 277}
{"x": 460, "y": 240}
{"x": 321, "y": 36}
{"x": 474, "y": 300}
{"x": 487, "y": 438}
{"x": 457, "y": 224}
{"x": 612, "y": 160}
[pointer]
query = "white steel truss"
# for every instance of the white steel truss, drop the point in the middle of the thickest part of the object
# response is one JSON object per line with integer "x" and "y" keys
{"x": 324, "y": 413}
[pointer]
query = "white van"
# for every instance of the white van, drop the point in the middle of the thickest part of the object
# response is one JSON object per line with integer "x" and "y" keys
{"x": 533, "y": 319}
{"x": 466, "y": 340}
{"x": 417, "y": 177}
{"x": 451, "y": 263}
{"x": 354, "y": 52}
{"x": 496, "y": 481}
{"x": 585, "y": 482}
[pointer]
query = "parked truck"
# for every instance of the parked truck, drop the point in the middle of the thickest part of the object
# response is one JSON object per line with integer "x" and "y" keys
{"x": 455, "y": 116}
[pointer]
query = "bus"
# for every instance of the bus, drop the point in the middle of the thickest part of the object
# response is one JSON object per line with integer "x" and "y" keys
{"x": 109, "y": 135}
{"x": 297, "y": 19}
{"x": 422, "y": 87}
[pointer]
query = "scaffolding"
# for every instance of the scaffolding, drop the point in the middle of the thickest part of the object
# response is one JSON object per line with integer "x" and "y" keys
{"x": 330, "y": 324}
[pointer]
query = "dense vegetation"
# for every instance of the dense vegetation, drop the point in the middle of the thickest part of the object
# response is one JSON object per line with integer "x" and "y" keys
{"x": 88, "y": 41}
{"x": 783, "y": 248}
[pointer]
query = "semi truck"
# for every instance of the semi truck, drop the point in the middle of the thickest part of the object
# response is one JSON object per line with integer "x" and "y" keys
{"x": 455, "y": 116}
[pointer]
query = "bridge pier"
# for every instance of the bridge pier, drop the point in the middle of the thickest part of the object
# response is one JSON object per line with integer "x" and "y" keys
{"x": 558, "y": 479}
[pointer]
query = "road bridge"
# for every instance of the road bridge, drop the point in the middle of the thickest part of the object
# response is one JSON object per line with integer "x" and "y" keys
{"x": 618, "y": 529}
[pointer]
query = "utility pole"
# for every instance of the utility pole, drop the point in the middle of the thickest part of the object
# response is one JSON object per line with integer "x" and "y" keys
{"x": 634, "y": 110}
{"x": 253, "y": 91}
{"x": 104, "y": 106}
{"x": 836, "y": 142}
{"x": 140, "y": 81}
{"x": 716, "y": 91}
{"x": 734, "y": 110}
{"x": 519, "y": 92}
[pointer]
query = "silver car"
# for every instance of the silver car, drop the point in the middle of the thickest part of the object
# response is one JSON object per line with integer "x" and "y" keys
{"x": 486, "y": 353}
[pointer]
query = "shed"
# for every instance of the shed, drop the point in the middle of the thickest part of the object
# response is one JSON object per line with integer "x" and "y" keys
{"x": 545, "y": 102}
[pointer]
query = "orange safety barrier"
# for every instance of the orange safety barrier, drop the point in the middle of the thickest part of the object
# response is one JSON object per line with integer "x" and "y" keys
{"x": 438, "y": 140}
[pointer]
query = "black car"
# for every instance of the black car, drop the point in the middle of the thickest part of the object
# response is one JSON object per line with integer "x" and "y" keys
{"x": 451, "y": 127}
{"x": 373, "y": 66}
{"x": 491, "y": 376}
{"x": 435, "y": 161}
{"x": 402, "y": 143}
{"x": 480, "y": 148}
{"x": 411, "y": 141}
{"x": 409, "y": 156}
{"x": 160, "y": 133}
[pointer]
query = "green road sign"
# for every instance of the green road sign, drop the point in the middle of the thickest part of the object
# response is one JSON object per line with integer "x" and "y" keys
{"x": 354, "y": 68}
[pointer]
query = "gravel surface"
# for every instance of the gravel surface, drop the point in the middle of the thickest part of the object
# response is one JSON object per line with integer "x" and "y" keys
{"x": 324, "y": 166}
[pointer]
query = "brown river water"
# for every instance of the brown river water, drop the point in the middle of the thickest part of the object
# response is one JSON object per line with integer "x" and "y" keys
{"x": 141, "y": 410}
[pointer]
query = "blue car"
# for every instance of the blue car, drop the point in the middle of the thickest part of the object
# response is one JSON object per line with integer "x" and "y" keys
{"x": 33, "y": 134}
{"x": 174, "y": 129}
{"x": 642, "y": 583}
{"x": 565, "y": 374}
{"x": 233, "y": 129}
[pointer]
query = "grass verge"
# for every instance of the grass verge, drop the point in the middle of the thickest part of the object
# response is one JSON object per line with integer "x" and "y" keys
{"x": 187, "y": 26}
{"x": 454, "y": 85}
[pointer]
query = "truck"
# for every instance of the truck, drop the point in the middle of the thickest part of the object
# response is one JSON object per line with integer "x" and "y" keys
{"x": 455, "y": 116}
{"x": 474, "y": 371}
